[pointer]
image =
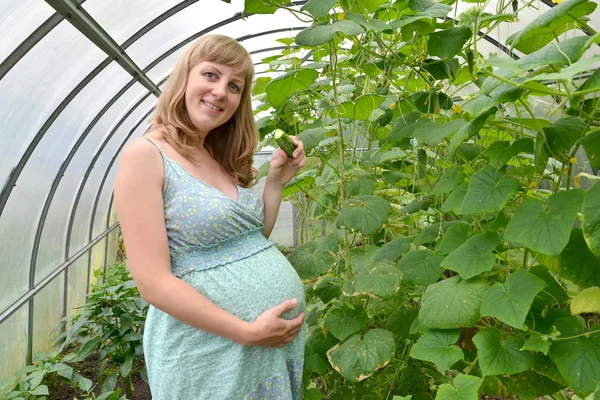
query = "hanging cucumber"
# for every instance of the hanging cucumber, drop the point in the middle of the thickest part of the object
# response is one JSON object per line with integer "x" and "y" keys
{"x": 421, "y": 162}
{"x": 284, "y": 142}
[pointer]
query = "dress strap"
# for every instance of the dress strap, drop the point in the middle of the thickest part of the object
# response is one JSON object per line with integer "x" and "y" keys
{"x": 154, "y": 143}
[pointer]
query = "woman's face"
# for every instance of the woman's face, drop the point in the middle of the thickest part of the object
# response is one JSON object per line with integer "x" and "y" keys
{"x": 212, "y": 94}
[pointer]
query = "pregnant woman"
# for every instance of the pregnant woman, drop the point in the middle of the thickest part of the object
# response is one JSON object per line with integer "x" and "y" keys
{"x": 226, "y": 317}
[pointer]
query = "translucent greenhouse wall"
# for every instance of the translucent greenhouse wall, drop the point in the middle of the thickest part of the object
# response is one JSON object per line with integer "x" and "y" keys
{"x": 68, "y": 109}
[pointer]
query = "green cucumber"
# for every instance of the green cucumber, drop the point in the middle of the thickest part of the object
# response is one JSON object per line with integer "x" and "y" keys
{"x": 284, "y": 142}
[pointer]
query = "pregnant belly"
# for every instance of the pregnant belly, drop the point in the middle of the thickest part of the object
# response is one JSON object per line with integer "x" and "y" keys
{"x": 248, "y": 287}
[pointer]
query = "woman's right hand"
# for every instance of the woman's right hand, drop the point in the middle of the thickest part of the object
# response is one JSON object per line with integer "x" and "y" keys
{"x": 271, "y": 330}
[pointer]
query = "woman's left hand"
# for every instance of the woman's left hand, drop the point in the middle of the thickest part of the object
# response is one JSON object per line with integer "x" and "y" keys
{"x": 282, "y": 169}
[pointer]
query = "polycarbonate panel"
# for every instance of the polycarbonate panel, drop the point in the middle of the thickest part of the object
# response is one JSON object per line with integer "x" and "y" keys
{"x": 54, "y": 148}
{"x": 37, "y": 84}
{"x": 52, "y": 248}
{"x": 104, "y": 199}
{"x": 81, "y": 226}
{"x": 183, "y": 25}
{"x": 121, "y": 19}
{"x": 47, "y": 312}
{"x": 76, "y": 285}
{"x": 283, "y": 232}
{"x": 18, "y": 20}
{"x": 13, "y": 346}
{"x": 97, "y": 261}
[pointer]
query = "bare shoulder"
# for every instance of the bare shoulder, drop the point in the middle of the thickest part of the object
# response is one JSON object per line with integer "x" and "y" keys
{"x": 142, "y": 160}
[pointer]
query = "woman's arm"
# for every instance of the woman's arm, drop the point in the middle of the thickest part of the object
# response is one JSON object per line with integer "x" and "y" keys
{"x": 281, "y": 170}
{"x": 139, "y": 206}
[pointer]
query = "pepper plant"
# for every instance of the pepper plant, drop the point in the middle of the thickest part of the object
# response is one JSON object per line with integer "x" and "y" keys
{"x": 463, "y": 219}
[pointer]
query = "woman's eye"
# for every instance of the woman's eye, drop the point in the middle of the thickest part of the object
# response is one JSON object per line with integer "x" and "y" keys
{"x": 210, "y": 75}
{"x": 235, "y": 88}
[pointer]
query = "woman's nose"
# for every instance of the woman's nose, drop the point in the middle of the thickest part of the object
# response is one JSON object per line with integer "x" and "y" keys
{"x": 219, "y": 90}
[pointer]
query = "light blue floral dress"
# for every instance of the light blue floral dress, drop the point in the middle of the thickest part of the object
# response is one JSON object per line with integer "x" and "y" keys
{"x": 217, "y": 246}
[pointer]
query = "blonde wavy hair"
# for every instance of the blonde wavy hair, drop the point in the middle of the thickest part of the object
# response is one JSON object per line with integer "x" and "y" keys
{"x": 231, "y": 144}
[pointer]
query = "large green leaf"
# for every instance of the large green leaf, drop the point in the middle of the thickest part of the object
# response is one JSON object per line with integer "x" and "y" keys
{"x": 361, "y": 108}
{"x": 372, "y": 24}
{"x": 587, "y": 301}
{"x": 455, "y": 198}
{"x": 312, "y": 137}
{"x": 260, "y": 85}
{"x": 329, "y": 289}
{"x": 451, "y": 178}
{"x": 429, "y": 8}
{"x": 500, "y": 152}
{"x": 488, "y": 191}
{"x": 499, "y": 355}
{"x": 363, "y": 185}
{"x": 448, "y": 42}
{"x": 393, "y": 249}
{"x": 591, "y": 219}
{"x": 344, "y": 321}
{"x": 357, "y": 358}
{"x": 421, "y": 267}
{"x": 591, "y": 144}
{"x": 433, "y": 232}
{"x": 550, "y": 24}
{"x": 310, "y": 260}
{"x": 454, "y": 237}
{"x": 563, "y": 134}
{"x": 428, "y": 102}
{"x": 323, "y": 33}
{"x": 464, "y": 387}
{"x": 365, "y": 214}
{"x": 553, "y": 293}
{"x": 557, "y": 54}
{"x": 537, "y": 342}
{"x": 567, "y": 73}
{"x": 577, "y": 263}
{"x": 452, "y": 303}
{"x": 474, "y": 256}
{"x": 281, "y": 88}
{"x": 381, "y": 281}
{"x": 432, "y": 133}
{"x": 318, "y": 8}
{"x": 259, "y": 7}
{"x": 545, "y": 229}
{"x": 439, "y": 347}
{"x": 578, "y": 361}
{"x": 530, "y": 385}
{"x": 510, "y": 302}
{"x": 468, "y": 131}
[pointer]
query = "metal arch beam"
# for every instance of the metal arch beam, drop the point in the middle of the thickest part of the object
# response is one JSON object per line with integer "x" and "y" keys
{"x": 87, "y": 25}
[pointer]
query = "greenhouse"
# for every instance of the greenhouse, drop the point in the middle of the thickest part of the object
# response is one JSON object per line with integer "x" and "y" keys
{"x": 440, "y": 213}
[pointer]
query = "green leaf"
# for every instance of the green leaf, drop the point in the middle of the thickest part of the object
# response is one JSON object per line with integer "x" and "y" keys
{"x": 310, "y": 260}
{"x": 372, "y": 24}
{"x": 357, "y": 358}
{"x": 499, "y": 153}
{"x": 464, "y": 387}
{"x": 393, "y": 249}
{"x": 343, "y": 321}
{"x": 591, "y": 144}
{"x": 259, "y": 7}
{"x": 545, "y": 228}
{"x": 474, "y": 256}
{"x": 312, "y": 137}
{"x": 433, "y": 232}
{"x": 41, "y": 390}
{"x": 109, "y": 384}
{"x": 318, "y": 8}
{"x": 428, "y": 102}
{"x": 421, "y": 267}
{"x": 381, "y": 282}
{"x": 126, "y": 320}
{"x": 312, "y": 393}
{"x": 281, "y": 88}
{"x": 455, "y": 198}
{"x": 452, "y": 303}
{"x": 577, "y": 263}
{"x": 510, "y": 302}
{"x": 451, "y": 178}
{"x": 591, "y": 219}
{"x": 488, "y": 191}
{"x": 328, "y": 289}
{"x": 567, "y": 73}
{"x": 557, "y": 54}
{"x": 468, "y": 131}
{"x": 448, "y": 42}
{"x": 299, "y": 182}
{"x": 418, "y": 204}
{"x": 529, "y": 385}
{"x": 498, "y": 355}
{"x": 260, "y": 85}
{"x": 454, "y": 237}
{"x": 439, "y": 347}
{"x": 365, "y": 214}
{"x": 429, "y": 8}
{"x": 361, "y": 108}
{"x": 587, "y": 301}
{"x": 432, "y": 133}
{"x": 578, "y": 361}
{"x": 550, "y": 24}
{"x": 537, "y": 342}
{"x": 319, "y": 34}
{"x": 553, "y": 293}
{"x": 563, "y": 134}
{"x": 363, "y": 185}
{"x": 541, "y": 153}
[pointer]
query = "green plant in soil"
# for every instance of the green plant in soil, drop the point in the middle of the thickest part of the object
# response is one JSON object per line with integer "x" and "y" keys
{"x": 462, "y": 248}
